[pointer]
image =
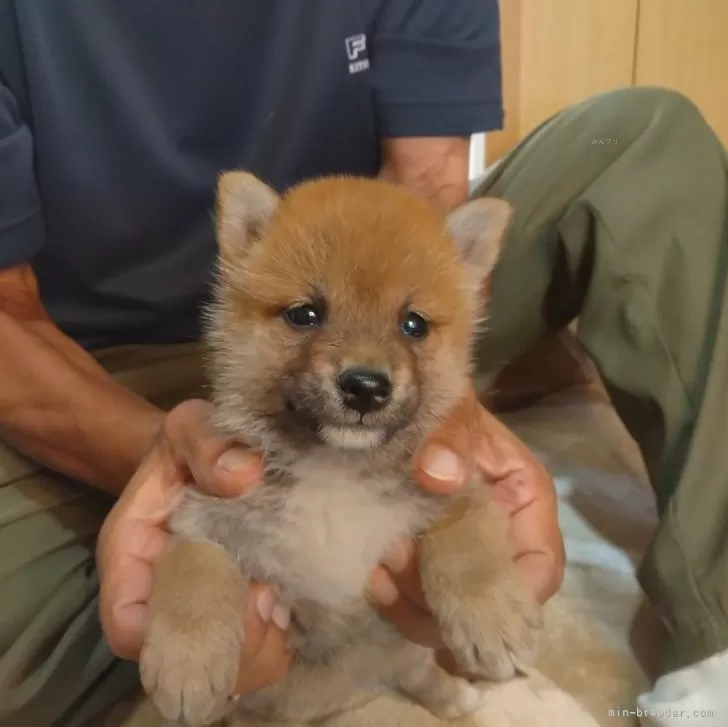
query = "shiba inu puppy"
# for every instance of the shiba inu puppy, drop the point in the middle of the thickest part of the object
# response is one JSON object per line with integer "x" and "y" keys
{"x": 340, "y": 337}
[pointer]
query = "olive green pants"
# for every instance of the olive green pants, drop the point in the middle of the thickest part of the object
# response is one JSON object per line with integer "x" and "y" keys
{"x": 621, "y": 219}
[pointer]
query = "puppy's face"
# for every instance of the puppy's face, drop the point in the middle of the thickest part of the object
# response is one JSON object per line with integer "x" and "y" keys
{"x": 345, "y": 309}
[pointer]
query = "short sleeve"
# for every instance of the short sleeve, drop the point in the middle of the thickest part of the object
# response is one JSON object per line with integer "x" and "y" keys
{"x": 22, "y": 232}
{"x": 436, "y": 66}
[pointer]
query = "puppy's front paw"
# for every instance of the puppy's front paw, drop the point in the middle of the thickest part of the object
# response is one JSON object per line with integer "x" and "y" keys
{"x": 189, "y": 662}
{"x": 464, "y": 699}
{"x": 491, "y": 628}
{"x": 189, "y": 665}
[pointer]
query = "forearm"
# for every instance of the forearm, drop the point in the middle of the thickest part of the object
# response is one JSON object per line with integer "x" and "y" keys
{"x": 431, "y": 167}
{"x": 58, "y": 406}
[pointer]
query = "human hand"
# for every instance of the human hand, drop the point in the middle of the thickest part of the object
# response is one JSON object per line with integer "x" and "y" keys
{"x": 472, "y": 437}
{"x": 187, "y": 449}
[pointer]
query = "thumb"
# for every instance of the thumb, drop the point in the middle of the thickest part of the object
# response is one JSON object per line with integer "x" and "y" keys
{"x": 217, "y": 466}
{"x": 444, "y": 462}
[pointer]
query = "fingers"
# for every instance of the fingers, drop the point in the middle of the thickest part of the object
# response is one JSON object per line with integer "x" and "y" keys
{"x": 403, "y": 568}
{"x": 215, "y": 465}
{"x": 527, "y": 494}
{"x": 395, "y": 590}
{"x": 265, "y": 657}
{"x": 130, "y": 541}
{"x": 152, "y": 492}
{"x": 446, "y": 459}
{"x": 471, "y": 437}
{"x": 498, "y": 452}
{"x": 188, "y": 447}
{"x": 539, "y": 546}
{"x": 516, "y": 477}
{"x": 124, "y": 594}
{"x": 414, "y": 623}
{"x": 126, "y": 555}
{"x": 523, "y": 487}
{"x": 542, "y": 572}
{"x": 123, "y": 608}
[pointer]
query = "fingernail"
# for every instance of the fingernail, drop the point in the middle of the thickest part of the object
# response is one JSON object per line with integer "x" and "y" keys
{"x": 281, "y": 617}
{"x": 266, "y": 604}
{"x": 382, "y": 589}
{"x": 442, "y": 464}
{"x": 236, "y": 459}
{"x": 398, "y": 556}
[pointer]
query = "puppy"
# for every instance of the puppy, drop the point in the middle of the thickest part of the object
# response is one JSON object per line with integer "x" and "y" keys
{"x": 340, "y": 337}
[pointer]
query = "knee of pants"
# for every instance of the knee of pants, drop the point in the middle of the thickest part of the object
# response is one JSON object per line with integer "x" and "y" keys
{"x": 654, "y": 104}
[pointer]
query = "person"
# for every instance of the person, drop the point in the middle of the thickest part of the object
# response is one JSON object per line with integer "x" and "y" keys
{"x": 115, "y": 120}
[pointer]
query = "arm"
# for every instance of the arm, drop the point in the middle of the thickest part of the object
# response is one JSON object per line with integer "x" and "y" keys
{"x": 432, "y": 167}
{"x": 57, "y": 404}
{"x": 437, "y": 79}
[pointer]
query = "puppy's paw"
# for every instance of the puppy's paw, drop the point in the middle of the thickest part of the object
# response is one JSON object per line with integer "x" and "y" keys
{"x": 491, "y": 628}
{"x": 464, "y": 699}
{"x": 189, "y": 666}
{"x": 442, "y": 694}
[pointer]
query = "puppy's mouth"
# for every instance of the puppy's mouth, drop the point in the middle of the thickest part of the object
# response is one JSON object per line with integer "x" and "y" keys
{"x": 341, "y": 435}
{"x": 352, "y": 437}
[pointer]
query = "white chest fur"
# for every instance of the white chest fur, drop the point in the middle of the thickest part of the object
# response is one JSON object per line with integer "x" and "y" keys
{"x": 317, "y": 534}
{"x": 336, "y": 531}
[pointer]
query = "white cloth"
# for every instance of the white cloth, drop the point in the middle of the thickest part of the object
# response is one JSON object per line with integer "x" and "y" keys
{"x": 695, "y": 695}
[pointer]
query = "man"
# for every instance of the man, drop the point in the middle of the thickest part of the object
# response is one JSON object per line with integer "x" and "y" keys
{"x": 115, "y": 119}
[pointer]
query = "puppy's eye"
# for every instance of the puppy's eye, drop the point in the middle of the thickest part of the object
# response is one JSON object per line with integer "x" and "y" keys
{"x": 303, "y": 316}
{"x": 415, "y": 325}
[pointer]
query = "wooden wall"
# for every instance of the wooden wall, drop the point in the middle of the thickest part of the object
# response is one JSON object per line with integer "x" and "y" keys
{"x": 558, "y": 52}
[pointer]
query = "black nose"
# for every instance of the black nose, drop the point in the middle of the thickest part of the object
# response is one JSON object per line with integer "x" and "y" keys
{"x": 365, "y": 390}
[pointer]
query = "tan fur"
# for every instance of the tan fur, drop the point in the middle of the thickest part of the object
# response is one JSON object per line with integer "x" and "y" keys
{"x": 171, "y": 656}
{"x": 478, "y": 600}
{"x": 338, "y": 489}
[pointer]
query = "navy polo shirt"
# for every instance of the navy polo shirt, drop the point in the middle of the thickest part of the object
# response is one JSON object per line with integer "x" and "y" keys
{"x": 116, "y": 116}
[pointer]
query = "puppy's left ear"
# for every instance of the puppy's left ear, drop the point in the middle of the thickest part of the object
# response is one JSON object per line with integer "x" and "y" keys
{"x": 478, "y": 229}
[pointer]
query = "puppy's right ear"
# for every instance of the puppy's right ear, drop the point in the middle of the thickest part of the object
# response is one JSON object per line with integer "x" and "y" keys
{"x": 245, "y": 205}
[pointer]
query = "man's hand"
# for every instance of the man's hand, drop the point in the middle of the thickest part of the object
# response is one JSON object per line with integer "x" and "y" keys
{"x": 187, "y": 449}
{"x": 471, "y": 437}
{"x": 435, "y": 168}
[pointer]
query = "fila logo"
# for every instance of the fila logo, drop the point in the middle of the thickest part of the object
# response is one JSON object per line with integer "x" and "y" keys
{"x": 355, "y": 46}
{"x": 356, "y": 52}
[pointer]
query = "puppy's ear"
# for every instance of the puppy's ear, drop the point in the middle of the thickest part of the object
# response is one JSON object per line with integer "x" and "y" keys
{"x": 245, "y": 205}
{"x": 478, "y": 229}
